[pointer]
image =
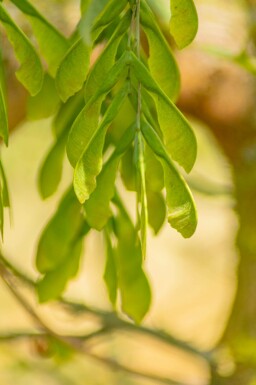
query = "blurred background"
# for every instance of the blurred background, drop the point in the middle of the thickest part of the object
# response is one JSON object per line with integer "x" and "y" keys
{"x": 196, "y": 294}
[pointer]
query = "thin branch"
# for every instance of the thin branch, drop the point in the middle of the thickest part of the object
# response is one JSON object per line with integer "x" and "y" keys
{"x": 110, "y": 320}
{"x": 72, "y": 344}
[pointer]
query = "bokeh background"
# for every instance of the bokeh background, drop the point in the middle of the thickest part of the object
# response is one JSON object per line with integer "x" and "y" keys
{"x": 194, "y": 281}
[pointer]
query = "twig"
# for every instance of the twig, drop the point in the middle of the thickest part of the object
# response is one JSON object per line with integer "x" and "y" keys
{"x": 72, "y": 343}
{"x": 110, "y": 321}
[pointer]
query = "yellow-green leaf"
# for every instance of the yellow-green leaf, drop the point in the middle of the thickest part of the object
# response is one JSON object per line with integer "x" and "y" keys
{"x": 52, "y": 43}
{"x": 30, "y": 73}
{"x": 132, "y": 280}
{"x": 178, "y": 136}
{"x": 156, "y": 210}
{"x": 184, "y": 22}
{"x": 73, "y": 70}
{"x": 51, "y": 169}
{"x": 45, "y": 103}
{"x": 181, "y": 207}
{"x": 86, "y": 123}
{"x": 90, "y": 163}
{"x": 162, "y": 64}
{"x": 97, "y": 207}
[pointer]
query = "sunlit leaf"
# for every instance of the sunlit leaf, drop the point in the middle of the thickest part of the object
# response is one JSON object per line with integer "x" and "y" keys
{"x": 73, "y": 70}
{"x": 97, "y": 207}
{"x": 87, "y": 121}
{"x": 105, "y": 61}
{"x": 179, "y": 138}
{"x": 90, "y": 163}
{"x": 52, "y": 43}
{"x": 184, "y": 22}
{"x": 181, "y": 207}
{"x": 51, "y": 169}
{"x": 161, "y": 62}
{"x": 30, "y": 73}
{"x": 45, "y": 103}
{"x": 60, "y": 234}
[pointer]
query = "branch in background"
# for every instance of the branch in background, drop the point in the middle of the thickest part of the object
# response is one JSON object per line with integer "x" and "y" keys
{"x": 111, "y": 322}
{"x": 69, "y": 342}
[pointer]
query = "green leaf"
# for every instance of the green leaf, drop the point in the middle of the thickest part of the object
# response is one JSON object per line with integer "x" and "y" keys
{"x": 106, "y": 60}
{"x": 4, "y": 197}
{"x": 162, "y": 64}
{"x": 3, "y": 117}
{"x": 83, "y": 127}
{"x": 51, "y": 170}
{"x": 97, "y": 207}
{"x": 52, "y": 43}
{"x": 4, "y": 187}
{"x": 67, "y": 114}
{"x": 45, "y": 103}
{"x": 156, "y": 210}
{"x": 128, "y": 170}
{"x": 154, "y": 171}
{"x": 178, "y": 136}
{"x": 132, "y": 280}
{"x": 110, "y": 273}
{"x": 111, "y": 11}
{"x": 90, "y": 162}
{"x": 143, "y": 192}
{"x": 53, "y": 284}
{"x": 86, "y": 123}
{"x": 60, "y": 234}
{"x": 30, "y": 73}
{"x": 181, "y": 207}
{"x": 184, "y": 22}
{"x": 73, "y": 70}
{"x": 90, "y": 9}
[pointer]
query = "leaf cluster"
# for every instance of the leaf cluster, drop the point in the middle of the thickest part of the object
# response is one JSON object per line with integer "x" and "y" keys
{"x": 118, "y": 123}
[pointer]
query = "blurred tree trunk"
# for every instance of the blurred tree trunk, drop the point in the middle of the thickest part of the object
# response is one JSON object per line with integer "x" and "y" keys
{"x": 223, "y": 96}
